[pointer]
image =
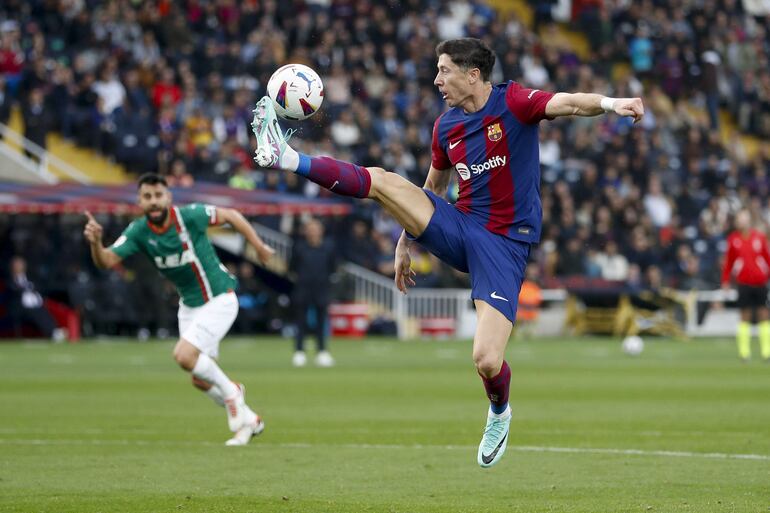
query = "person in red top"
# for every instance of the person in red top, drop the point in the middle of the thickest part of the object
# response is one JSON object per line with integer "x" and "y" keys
{"x": 749, "y": 259}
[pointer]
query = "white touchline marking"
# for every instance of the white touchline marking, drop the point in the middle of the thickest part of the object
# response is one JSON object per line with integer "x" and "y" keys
{"x": 300, "y": 445}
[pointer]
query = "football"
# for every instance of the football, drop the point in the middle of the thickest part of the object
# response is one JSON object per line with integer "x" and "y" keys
{"x": 633, "y": 345}
{"x": 296, "y": 91}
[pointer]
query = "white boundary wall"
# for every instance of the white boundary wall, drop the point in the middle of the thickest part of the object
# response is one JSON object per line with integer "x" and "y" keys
{"x": 419, "y": 304}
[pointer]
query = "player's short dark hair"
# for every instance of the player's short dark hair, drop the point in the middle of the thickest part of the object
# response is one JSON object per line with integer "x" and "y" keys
{"x": 151, "y": 179}
{"x": 469, "y": 53}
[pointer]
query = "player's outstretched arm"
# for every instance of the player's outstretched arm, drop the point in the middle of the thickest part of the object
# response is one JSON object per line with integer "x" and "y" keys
{"x": 242, "y": 226}
{"x": 103, "y": 258}
{"x": 589, "y": 104}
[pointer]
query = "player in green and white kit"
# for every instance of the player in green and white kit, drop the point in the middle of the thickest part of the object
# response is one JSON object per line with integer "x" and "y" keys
{"x": 174, "y": 239}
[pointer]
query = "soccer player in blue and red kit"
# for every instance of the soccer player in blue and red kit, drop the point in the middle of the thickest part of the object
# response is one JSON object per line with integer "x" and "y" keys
{"x": 489, "y": 136}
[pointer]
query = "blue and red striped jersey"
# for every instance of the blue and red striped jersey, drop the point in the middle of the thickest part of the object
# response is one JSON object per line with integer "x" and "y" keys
{"x": 497, "y": 157}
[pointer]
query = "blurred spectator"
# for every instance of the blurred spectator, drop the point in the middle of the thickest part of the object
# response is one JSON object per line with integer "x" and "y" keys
{"x": 5, "y": 103}
{"x": 313, "y": 262}
{"x": 26, "y": 303}
{"x": 178, "y": 175}
{"x": 110, "y": 90}
{"x": 530, "y": 299}
{"x": 37, "y": 120}
{"x": 243, "y": 179}
{"x": 357, "y": 248}
{"x": 252, "y": 315}
{"x": 572, "y": 261}
{"x": 657, "y": 204}
{"x": 612, "y": 264}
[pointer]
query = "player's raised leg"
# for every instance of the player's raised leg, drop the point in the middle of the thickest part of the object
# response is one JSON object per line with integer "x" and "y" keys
{"x": 406, "y": 202}
{"x": 213, "y": 391}
{"x": 210, "y": 390}
{"x": 203, "y": 367}
{"x": 489, "y": 344}
{"x": 243, "y": 422}
{"x": 202, "y": 329}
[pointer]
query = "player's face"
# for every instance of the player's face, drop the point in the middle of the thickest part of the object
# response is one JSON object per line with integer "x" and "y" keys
{"x": 452, "y": 81}
{"x": 155, "y": 201}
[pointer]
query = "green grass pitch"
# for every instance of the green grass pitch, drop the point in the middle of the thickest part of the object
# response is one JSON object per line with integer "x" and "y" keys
{"x": 116, "y": 427}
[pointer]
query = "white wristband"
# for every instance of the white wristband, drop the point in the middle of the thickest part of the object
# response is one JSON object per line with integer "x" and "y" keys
{"x": 608, "y": 104}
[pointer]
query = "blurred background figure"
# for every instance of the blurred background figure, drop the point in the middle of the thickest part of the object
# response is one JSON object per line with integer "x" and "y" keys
{"x": 26, "y": 303}
{"x": 747, "y": 253}
{"x": 37, "y": 120}
{"x": 530, "y": 299}
{"x": 313, "y": 261}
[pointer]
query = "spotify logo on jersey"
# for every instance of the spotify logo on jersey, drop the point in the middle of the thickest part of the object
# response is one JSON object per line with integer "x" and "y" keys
{"x": 477, "y": 169}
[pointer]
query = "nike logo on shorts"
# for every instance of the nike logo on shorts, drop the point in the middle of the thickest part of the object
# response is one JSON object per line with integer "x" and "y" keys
{"x": 487, "y": 458}
{"x": 494, "y": 295}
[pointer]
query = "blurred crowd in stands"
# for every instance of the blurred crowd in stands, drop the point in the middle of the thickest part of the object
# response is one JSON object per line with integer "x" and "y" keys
{"x": 169, "y": 86}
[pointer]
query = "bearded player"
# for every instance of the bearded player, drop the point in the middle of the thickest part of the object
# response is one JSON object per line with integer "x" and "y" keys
{"x": 489, "y": 136}
{"x": 174, "y": 239}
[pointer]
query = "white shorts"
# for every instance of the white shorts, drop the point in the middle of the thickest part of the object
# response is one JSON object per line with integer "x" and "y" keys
{"x": 206, "y": 325}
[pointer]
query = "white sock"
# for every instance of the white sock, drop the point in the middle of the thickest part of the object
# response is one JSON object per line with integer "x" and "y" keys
{"x": 208, "y": 370}
{"x": 289, "y": 161}
{"x": 216, "y": 395}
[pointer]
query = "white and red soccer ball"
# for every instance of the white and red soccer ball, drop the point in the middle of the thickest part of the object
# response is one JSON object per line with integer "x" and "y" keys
{"x": 296, "y": 90}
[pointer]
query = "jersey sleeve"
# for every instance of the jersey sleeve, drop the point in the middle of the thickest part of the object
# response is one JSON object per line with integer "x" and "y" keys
{"x": 439, "y": 158}
{"x": 127, "y": 244}
{"x": 765, "y": 251}
{"x": 528, "y": 105}
{"x": 199, "y": 216}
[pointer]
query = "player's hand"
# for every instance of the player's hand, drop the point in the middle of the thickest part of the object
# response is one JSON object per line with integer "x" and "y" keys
{"x": 93, "y": 230}
{"x": 403, "y": 268}
{"x": 264, "y": 254}
{"x": 631, "y": 107}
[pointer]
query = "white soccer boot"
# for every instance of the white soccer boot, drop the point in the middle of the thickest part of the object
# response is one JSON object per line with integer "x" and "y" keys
{"x": 299, "y": 359}
{"x": 324, "y": 359}
{"x": 253, "y": 427}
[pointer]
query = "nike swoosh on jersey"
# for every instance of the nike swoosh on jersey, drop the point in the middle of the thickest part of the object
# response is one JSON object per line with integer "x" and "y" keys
{"x": 494, "y": 295}
{"x": 487, "y": 458}
{"x": 455, "y": 143}
{"x": 531, "y": 93}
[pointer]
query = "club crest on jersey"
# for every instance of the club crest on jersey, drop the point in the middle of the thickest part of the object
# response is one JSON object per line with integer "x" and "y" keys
{"x": 494, "y": 132}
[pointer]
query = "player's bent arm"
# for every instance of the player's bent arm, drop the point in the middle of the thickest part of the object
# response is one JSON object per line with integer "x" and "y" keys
{"x": 590, "y": 104}
{"x": 104, "y": 258}
{"x": 438, "y": 181}
{"x": 242, "y": 226}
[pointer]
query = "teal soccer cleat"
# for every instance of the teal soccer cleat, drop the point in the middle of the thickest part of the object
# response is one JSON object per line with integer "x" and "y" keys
{"x": 271, "y": 141}
{"x": 495, "y": 439}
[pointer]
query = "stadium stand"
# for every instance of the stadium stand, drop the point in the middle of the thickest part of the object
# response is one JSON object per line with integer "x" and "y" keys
{"x": 168, "y": 86}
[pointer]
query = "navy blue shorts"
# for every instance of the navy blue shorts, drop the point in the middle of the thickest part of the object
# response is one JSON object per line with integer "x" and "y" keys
{"x": 496, "y": 264}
